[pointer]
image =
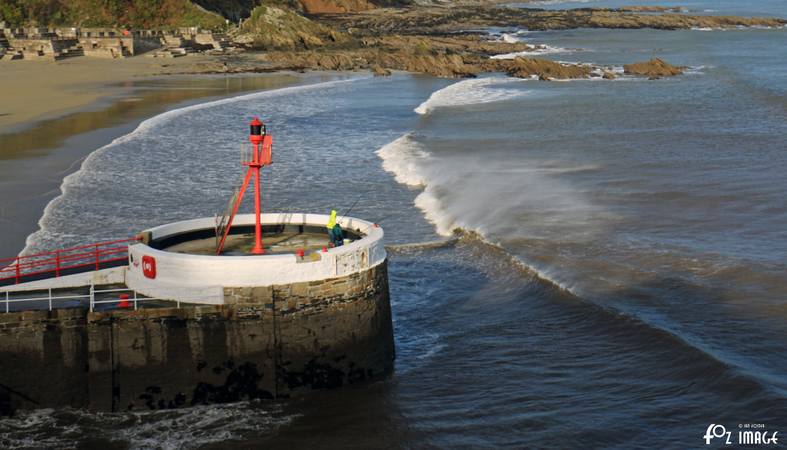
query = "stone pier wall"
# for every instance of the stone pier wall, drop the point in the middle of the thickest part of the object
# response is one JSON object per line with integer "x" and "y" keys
{"x": 267, "y": 342}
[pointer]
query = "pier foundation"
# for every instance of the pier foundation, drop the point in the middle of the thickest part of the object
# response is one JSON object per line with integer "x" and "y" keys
{"x": 272, "y": 341}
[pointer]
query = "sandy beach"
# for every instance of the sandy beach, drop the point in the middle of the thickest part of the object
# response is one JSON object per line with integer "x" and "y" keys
{"x": 35, "y": 90}
{"x": 54, "y": 114}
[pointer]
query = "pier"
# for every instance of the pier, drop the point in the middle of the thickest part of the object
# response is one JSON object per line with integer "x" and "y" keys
{"x": 217, "y": 309}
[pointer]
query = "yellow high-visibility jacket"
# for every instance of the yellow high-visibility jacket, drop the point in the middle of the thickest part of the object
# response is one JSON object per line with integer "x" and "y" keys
{"x": 332, "y": 221}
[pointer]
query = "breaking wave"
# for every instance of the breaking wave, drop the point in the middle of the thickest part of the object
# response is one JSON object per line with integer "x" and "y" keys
{"x": 557, "y": 2}
{"x": 474, "y": 91}
{"x": 403, "y": 158}
{"x": 540, "y": 49}
{"x": 450, "y": 196}
{"x": 462, "y": 204}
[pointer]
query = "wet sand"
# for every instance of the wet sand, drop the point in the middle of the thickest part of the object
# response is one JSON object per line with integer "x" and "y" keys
{"x": 50, "y": 123}
{"x": 36, "y": 90}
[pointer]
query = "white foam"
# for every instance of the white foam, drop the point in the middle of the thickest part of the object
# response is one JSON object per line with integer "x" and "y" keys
{"x": 184, "y": 428}
{"x": 455, "y": 196}
{"x": 509, "y": 38}
{"x": 473, "y": 91}
{"x": 404, "y": 158}
{"x": 409, "y": 163}
{"x": 557, "y": 2}
{"x": 203, "y": 425}
{"x": 145, "y": 127}
{"x": 540, "y": 49}
{"x": 695, "y": 70}
{"x": 427, "y": 202}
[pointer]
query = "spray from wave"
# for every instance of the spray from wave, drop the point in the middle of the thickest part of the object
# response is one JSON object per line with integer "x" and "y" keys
{"x": 455, "y": 196}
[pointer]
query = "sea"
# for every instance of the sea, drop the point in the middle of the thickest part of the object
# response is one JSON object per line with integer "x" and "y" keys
{"x": 577, "y": 264}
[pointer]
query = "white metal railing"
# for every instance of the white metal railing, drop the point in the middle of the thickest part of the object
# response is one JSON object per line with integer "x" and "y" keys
{"x": 133, "y": 298}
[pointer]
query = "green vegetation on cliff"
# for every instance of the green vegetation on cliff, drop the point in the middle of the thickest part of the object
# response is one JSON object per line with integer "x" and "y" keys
{"x": 271, "y": 27}
{"x": 107, "y": 13}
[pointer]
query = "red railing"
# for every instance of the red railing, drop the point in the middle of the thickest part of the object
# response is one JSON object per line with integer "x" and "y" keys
{"x": 65, "y": 261}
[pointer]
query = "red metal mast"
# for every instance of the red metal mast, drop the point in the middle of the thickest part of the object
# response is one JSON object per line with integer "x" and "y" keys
{"x": 261, "y": 156}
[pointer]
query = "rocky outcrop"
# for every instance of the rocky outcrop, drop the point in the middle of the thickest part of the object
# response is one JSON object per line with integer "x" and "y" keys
{"x": 653, "y": 9}
{"x": 335, "y": 6}
{"x": 655, "y": 68}
{"x": 460, "y": 56}
{"x": 433, "y": 20}
{"x": 377, "y": 60}
{"x": 544, "y": 69}
{"x": 271, "y": 27}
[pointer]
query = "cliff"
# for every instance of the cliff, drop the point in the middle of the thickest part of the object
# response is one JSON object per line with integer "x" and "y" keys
{"x": 233, "y": 10}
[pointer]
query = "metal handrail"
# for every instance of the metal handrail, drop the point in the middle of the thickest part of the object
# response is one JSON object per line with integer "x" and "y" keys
{"x": 91, "y": 297}
{"x": 55, "y": 262}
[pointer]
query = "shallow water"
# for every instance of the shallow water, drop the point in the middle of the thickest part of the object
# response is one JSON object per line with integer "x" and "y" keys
{"x": 625, "y": 288}
{"x": 54, "y": 148}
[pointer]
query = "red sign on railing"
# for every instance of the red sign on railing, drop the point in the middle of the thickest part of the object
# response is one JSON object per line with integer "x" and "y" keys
{"x": 64, "y": 262}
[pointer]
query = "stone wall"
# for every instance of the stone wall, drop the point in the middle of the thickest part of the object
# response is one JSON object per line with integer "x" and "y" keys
{"x": 43, "y": 48}
{"x": 272, "y": 342}
{"x": 107, "y": 47}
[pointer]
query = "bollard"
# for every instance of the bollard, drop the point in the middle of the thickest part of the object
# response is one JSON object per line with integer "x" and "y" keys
{"x": 123, "y": 301}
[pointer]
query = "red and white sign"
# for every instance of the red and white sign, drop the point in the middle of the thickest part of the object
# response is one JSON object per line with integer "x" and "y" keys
{"x": 149, "y": 266}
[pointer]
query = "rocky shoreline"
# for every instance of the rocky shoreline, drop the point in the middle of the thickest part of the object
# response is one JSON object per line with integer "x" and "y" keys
{"x": 439, "y": 20}
{"x": 447, "y": 41}
{"x": 442, "y": 41}
{"x": 444, "y": 56}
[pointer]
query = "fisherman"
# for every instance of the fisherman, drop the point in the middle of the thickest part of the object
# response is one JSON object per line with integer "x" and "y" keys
{"x": 334, "y": 230}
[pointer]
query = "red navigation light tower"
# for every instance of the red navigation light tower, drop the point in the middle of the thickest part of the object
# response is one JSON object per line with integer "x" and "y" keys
{"x": 260, "y": 156}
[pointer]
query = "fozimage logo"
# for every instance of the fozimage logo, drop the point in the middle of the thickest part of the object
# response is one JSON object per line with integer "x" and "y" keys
{"x": 748, "y": 434}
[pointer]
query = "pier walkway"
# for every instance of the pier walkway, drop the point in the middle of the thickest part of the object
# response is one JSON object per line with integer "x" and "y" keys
{"x": 69, "y": 261}
{"x": 21, "y": 270}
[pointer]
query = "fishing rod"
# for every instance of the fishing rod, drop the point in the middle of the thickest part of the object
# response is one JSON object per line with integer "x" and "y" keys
{"x": 351, "y": 207}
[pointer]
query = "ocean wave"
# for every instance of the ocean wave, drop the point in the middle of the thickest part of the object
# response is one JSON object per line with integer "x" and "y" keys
{"x": 557, "y": 2}
{"x": 145, "y": 127}
{"x": 695, "y": 70}
{"x": 403, "y": 158}
{"x": 739, "y": 28}
{"x": 506, "y": 35}
{"x": 473, "y": 91}
{"x": 412, "y": 165}
{"x": 509, "y": 38}
{"x": 541, "y": 49}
